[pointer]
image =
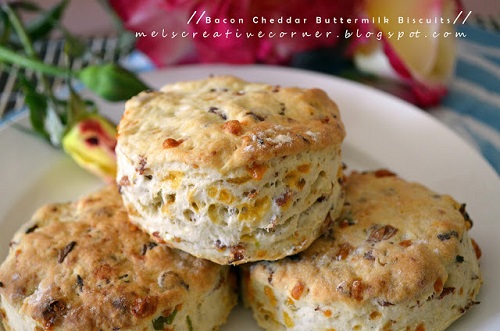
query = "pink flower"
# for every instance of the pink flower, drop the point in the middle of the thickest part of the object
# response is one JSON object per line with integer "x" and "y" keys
{"x": 417, "y": 53}
{"x": 238, "y": 40}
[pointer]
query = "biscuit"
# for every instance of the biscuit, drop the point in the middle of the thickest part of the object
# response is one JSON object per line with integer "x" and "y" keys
{"x": 398, "y": 258}
{"x": 84, "y": 266}
{"x": 231, "y": 171}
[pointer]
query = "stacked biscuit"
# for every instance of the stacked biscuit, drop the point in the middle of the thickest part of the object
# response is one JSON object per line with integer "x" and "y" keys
{"x": 231, "y": 171}
{"x": 221, "y": 172}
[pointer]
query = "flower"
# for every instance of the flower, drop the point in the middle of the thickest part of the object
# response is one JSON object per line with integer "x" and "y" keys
{"x": 415, "y": 47}
{"x": 241, "y": 22}
{"x": 91, "y": 143}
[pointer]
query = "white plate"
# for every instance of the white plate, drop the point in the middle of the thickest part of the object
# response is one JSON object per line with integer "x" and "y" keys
{"x": 382, "y": 131}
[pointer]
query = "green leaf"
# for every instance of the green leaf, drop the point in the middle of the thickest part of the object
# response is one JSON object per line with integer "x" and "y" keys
{"x": 47, "y": 21}
{"x": 111, "y": 81}
{"x": 37, "y": 105}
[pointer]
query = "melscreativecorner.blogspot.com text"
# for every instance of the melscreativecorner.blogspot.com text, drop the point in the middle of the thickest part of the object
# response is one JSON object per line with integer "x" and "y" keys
{"x": 203, "y": 25}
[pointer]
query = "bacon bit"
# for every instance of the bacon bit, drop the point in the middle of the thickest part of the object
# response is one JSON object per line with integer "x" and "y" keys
{"x": 357, "y": 289}
{"x": 438, "y": 285}
{"x": 142, "y": 165}
{"x": 477, "y": 249}
{"x": 381, "y": 233}
{"x": 124, "y": 181}
{"x": 52, "y": 312}
{"x": 65, "y": 251}
{"x": 297, "y": 290}
{"x": 384, "y": 173}
{"x": 284, "y": 199}
{"x": 446, "y": 291}
{"x": 171, "y": 143}
{"x": 276, "y": 89}
{"x": 406, "y": 243}
{"x": 257, "y": 171}
{"x": 344, "y": 250}
{"x": 158, "y": 238}
{"x": 420, "y": 327}
{"x": 325, "y": 120}
{"x": 233, "y": 127}
{"x": 143, "y": 307}
{"x": 238, "y": 252}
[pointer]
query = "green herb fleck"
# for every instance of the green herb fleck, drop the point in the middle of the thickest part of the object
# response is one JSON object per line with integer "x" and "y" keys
{"x": 162, "y": 320}
{"x": 189, "y": 324}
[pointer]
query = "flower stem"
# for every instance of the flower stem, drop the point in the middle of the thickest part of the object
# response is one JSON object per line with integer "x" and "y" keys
{"x": 21, "y": 32}
{"x": 9, "y": 56}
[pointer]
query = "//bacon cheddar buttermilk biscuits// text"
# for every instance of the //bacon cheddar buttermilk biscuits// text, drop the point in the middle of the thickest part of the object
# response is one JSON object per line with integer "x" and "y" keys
{"x": 84, "y": 266}
{"x": 231, "y": 171}
{"x": 399, "y": 257}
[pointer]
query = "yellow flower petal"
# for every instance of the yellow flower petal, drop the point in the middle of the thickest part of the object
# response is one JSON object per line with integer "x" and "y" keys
{"x": 91, "y": 143}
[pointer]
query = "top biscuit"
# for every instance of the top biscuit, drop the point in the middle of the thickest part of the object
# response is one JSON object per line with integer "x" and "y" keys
{"x": 231, "y": 171}
{"x": 224, "y": 122}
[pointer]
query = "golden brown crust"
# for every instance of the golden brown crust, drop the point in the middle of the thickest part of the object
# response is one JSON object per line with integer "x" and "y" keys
{"x": 225, "y": 123}
{"x": 83, "y": 266}
{"x": 417, "y": 224}
{"x": 398, "y": 252}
